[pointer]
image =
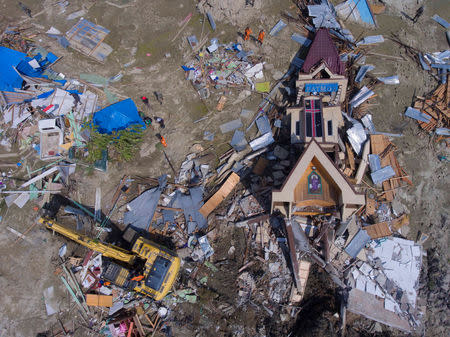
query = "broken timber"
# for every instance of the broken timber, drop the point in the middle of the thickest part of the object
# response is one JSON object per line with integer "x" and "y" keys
{"x": 380, "y": 145}
{"x": 220, "y": 195}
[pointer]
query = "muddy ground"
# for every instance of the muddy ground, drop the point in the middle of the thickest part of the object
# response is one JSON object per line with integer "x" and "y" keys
{"x": 147, "y": 27}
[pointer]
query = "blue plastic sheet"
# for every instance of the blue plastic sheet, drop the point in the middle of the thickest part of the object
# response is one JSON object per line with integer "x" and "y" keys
{"x": 117, "y": 116}
{"x": 9, "y": 58}
{"x": 364, "y": 11}
{"x": 9, "y": 78}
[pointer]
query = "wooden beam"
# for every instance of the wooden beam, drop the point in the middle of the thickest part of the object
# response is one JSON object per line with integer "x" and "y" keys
{"x": 293, "y": 252}
{"x": 139, "y": 325}
{"x": 40, "y": 176}
{"x": 220, "y": 195}
{"x": 20, "y": 235}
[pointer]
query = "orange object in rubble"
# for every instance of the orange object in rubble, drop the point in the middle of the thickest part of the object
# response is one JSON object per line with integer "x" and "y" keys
{"x": 247, "y": 33}
{"x": 261, "y": 36}
{"x": 163, "y": 141}
{"x": 138, "y": 278}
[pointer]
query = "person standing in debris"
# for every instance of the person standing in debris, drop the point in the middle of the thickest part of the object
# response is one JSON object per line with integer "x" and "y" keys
{"x": 25, "y": 9}
{"x": 148, "y": 121}
{"x": 146, "y": 102}
{"x": 261, "y": 35}
{"x": 160, "y": 121}
{"x": 76, "y": 97}
{"x": 161, "y": 139}
{"x": 419, "y": 13}
{"x": 247, "y": 33}
{"x": 159, "y": 97}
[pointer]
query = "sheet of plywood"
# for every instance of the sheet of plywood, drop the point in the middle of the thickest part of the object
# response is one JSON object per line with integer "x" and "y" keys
{"x": 371, "y": 206}
{"x": 220, "y": 195}
{"x": 99, "y": 300}
{"x": 378, "y": 230}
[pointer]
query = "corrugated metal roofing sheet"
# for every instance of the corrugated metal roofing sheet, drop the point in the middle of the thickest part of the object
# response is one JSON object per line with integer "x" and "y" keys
{"x": 323, "y": 49}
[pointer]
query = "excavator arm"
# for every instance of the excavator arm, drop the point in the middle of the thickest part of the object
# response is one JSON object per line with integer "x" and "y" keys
{"x": 106, "y": 249}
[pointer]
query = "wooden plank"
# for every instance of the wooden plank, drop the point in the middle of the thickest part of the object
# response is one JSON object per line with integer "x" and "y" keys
{"x": 99, "y": 300}
{"x": 139, "y": 326}
{"x": 26, "y": 232}
{"x": 40, "y": 176}
{"x": 170, "y": 208}
{"x": 371, "y": 206}
{"x": 8, "y": 155}
{"x": 390, "y": 148}
{"x": 98, "y": 203}
{"x": 220, "y": 195}
{"x": 378, "y": 230}
{"x": 221, "y": 103}
{"x": 447, "y": 94}
{"x": 20, "y": 235}
{"x": 363, "y": 164}
{"x": 116, "y": 194}
{"x": 293, "y": 253}
{"x": 350, "y": 156}
{"x": 379, "y": 144}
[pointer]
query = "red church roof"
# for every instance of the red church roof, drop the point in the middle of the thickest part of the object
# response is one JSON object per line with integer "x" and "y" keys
{"x": 323, "y": 49}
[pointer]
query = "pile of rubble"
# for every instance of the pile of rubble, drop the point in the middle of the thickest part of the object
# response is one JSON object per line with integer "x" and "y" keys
{"x": 224, "y": 67}
{"x": 299, "y": 196}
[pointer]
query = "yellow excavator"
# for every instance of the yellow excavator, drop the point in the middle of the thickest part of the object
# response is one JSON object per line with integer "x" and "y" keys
{"x": 148, "y": 268}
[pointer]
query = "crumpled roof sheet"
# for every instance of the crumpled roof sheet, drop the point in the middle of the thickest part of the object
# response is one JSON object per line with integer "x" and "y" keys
{"x": 323, "y": 49}
{"x": 142, "y": 209}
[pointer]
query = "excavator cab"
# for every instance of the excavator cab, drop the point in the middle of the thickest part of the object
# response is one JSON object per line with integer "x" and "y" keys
{"x": 156, "y": 265}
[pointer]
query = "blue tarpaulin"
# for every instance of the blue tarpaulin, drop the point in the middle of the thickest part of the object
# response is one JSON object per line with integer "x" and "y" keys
{"x": 364, "y": 11}
{"x": 321, "y": 87}
{"x": 117, "y": 116}
{"x": 9, "y": 58}
{"x": 9, "y": 78}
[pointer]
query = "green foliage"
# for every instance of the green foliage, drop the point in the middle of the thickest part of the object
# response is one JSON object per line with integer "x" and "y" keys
{"x": 97, "y": 143}
{"x": 127, "y": 142}
{"x": 122, "y": 145}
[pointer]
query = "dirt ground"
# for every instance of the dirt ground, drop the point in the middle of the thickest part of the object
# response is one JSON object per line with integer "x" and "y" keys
{"x": 147, "y": 28}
